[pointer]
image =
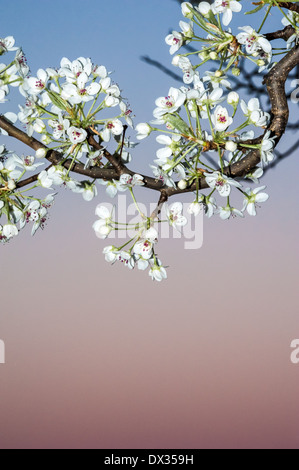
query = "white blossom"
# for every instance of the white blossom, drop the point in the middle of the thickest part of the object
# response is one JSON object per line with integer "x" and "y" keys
{"x": 267, "y": 147}
{"x": 174, "y": 215}
{"x": 226, "y": 7}
{"x": 253, "y": 198}
{"x": 221, "y": 182}
{"x": 76, "y": 135}
{"x": 143, "y": 130}
{"x": 170, "y": 103}
{"x": 157, "y": 271}
{"x": 221, "y": 119}
{"x": 35, "y": 85}
{"x": 127, "y": 181}
{"x": 113, "y": 127}
{"x": 103, "y": 227}
{"x": 253, "y": 41}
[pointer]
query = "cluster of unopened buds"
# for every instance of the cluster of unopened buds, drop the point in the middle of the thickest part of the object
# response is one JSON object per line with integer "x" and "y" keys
{"x": 203, "y": 129}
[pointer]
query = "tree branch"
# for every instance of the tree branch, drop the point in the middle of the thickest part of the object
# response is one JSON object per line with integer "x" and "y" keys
{"x": 289, "y": 5}
{"x": 285, "y": 34}
{"x": 275, "y": 83}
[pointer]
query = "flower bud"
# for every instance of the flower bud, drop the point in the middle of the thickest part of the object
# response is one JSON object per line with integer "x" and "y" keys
{"x": 231, "y": 146}
{"x": 143, "y": 130}
{"x": 195, "y": 208}
{"x": 187, "y": 10}
{"x": 233, "y": 98}
{"x": 213, "y": 55}
{"x": 261, "y": 63}
{"x": 46, "y": 140}
{"x": 204, "y": 8}
{"x": 218, "y": 73}
{"x": 11, "y": 185}
{"x": 182, "y": 184}
{"x": 41, "y": 153}
{"x": 103, "y": 231}
{"x": 203, "y": 55}
{"x": 176, "y": 59}
{"x": 236, "y": 72}
{"x": 39, "y": 126}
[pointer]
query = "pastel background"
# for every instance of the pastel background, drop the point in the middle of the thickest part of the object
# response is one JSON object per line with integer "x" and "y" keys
{"x": 97, "y": 356}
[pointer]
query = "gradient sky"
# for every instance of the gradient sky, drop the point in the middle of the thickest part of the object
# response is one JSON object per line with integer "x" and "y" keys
{"x": 97, "y": 356}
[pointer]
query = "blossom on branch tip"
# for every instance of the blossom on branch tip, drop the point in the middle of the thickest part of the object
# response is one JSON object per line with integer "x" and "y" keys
{"x": 144, "y": 247}
{"x": 233, "y": 99}
{"x": 172, "y": 146}
{"x": 169, "y": 104}
{"x": 253, "y": 41}
{"x": 187, "y": 10}
{"x": 143, "y": 130}
{"x": 221, "y": 182}
{"x": 221, "y": 119}
{"x": 44, "y": 179}
{"x": 21, "y": 64}
{"x": 111, "y": 253}
{"x": 112, "y": 127}
{"x": 255, "y": 175}
{"x": 59, "y": 126}
{"x": 76, "y": 135}
{"x": 175, "y": 40}
{"x": 253, "y": 198}
{"x": 163, "y": 176}
{"x": 195, "y": 208}
{"x": 254, "y": 113}
{"x": 228, "y": 211}
{"x": 41, "y": 153}
{"x": 7, "y": 44}
{"x": 226, "y": 7}
{"x": 216, "y": 79}
{"x": 267, "y": 147}
{"x": 111, "y": 187}
{"x": 80, "y": 92}
{"x": 88, "y": 190}
{"x": 157, "y": 271}
{"x": 127, "y": 181}
{"x": 175, "y": 216}
{"x": 204, "y": 8}
{"x": 186, "y": 66}
{"x": 35, "y": 85}
{"x": 103, "y": 227}
{"x": 9, "y": 231}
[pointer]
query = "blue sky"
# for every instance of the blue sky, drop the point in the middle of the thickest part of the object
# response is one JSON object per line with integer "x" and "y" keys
{"x": 115, "y": 34}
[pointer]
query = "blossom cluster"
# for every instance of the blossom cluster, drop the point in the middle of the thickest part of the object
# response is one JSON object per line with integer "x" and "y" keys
{"x": 55, "y": 102}
{"x": 220, "y": 44}
{"x": 203, "y": 129}
{"x": 140, "y": 249}
{"x": 201, "y": 140}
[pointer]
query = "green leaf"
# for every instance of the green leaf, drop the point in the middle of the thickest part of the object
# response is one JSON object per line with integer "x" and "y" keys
{"x": 57, "y": 100}
{"x": 178, "y": 123}
{"x": 255, "y": 9}
{"x": 231, "y": 61}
